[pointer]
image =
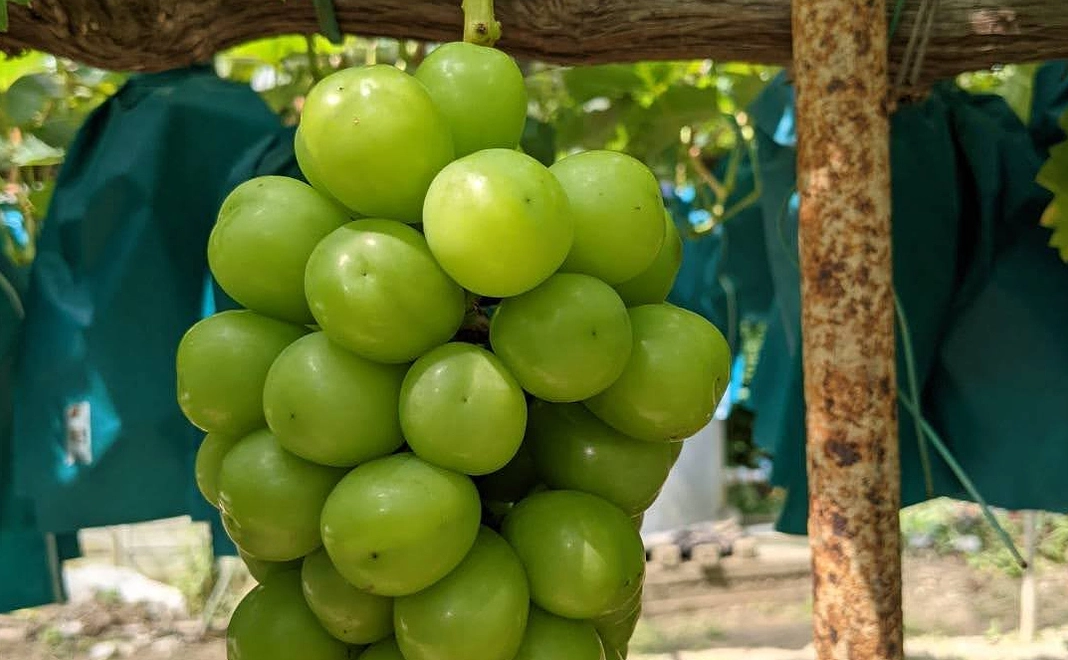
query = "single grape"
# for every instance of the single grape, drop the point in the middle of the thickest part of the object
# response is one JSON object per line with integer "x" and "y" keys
{"x": 565, "y": 340}
{"x": 480, "y": 91}
{"x": 460, "y": 409}
{"x": 550, "y": 637}
{"x": 574, "y": 450}
{"x": 618, "y": 214}
{"x": 272, "y": 622}
{"x": 385, "y": 650}
{"x": 513, "y": 481}
{"x": 654, "y": 283}
{"x": 376, "y": 140}
{"x": 221, "y": 365}
{"x": 310, "y": 169}
{"x": 271, "y": 499}
{"x": 375, "y": 289}
{"x": 331, "y": 406}
{"x": 581, "y": 553}
{"x": 498, "y": 222}
{"x": 616, "y": 627}
{"x": 638, "y": 519}
{"x": 260, "y": 569}
{"x": 479, "y": 610}
{"x": 347, "y": 613}
{"x": 209, "y": 459}
{"x": 266, "y": 229}
{"x": 397, "y": 525}
{"x": 675, "y": 378}
{"x": 614, "y": 654}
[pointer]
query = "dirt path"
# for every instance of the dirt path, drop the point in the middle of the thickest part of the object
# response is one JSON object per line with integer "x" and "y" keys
{"x": 952, "y": 612}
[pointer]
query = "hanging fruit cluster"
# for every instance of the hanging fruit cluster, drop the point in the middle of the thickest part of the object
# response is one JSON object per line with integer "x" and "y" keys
{"x": 455, "y": 385}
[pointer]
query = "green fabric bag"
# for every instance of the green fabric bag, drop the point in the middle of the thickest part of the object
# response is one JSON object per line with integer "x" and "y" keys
{"x": 965, "y": 223}
{"x": 121, "y": 273}
{"x": 29, "y": 558}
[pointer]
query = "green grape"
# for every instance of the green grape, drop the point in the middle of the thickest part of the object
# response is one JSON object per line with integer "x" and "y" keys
{"x": 581, "y": 553}
{"x": 310, "y": 169}
{"x": 260, "y": 569}
{"x": 638, "y": 519}
{"x": 616, "y": 627}
{"x": 375, "y": 289}
{"x": 376, "y": 140}
{"x": 351, "y": 615}
{"x": 385, "y": 650}
{"x": 460, "y": 409}
{"x": 618, "y": 214}
{"x": 397, "y": 525}
{"x": 574, "y": 450}
{"x": 497, "y": 222}
{"x": 271, "y": 499}
{"x": 675, "y": 378}
{"x": 480, "y": 91}
{"x": 272, "y": 622}
{"x": 221, "y": 365}
{"x": 479, "y": 610}
{"x": 209, "y": 459}
{"x": 513, "y": 481}
{"x": 550, "y": 637}
{"x": 330, "y": 406}
{"x": 266, "y": 229}
{"x": 565, "y": 340}
{"x": 654, "y": 283}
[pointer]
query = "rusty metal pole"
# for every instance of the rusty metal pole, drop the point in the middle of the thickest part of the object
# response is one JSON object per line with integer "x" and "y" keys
{"x": 840, "y": 68}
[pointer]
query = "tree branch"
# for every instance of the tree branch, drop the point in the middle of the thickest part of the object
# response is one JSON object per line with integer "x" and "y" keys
{"x": 150, "y": 35}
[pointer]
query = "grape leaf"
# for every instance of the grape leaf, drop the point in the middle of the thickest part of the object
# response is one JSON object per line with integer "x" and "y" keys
{"x": 609, "y": 80}
{"x": 32, "y": 152}
{"x": 539, "y": 141}
{"x": 655, "y": 129}
{"x": 59, "y": 129}
{"x": 1056, "y": 218}
{"x": 28, "y": 99}
{"x": 40, "y": 197}
{"x": 1054, "y": 177}
{"x": 1054, "y": 173}
{"x": 13, "y": 68}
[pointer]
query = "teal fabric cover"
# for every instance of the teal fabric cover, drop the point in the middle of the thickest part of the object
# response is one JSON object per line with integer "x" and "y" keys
{"x": 121, "y": 273}
{"x": 985, "y": 298}
{"x": 27, "y": 559}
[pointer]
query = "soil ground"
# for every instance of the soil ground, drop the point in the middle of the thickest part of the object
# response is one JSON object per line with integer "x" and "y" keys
{"x": 953, "y": 612}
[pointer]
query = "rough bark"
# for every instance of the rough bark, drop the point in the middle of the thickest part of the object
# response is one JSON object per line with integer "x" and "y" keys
{"x": 161, "y": 34}
{"x": 847, "y": 324}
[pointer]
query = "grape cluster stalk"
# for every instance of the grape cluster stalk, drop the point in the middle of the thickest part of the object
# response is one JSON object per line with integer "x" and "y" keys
{"x": 453, "y": 385}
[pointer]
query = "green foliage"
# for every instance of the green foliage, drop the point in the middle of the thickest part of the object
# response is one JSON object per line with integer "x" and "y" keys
{"x": 949, "y": 527}
{"x": 666, "y": 114}
{"x": 282, "y": 69}
{"x": 755, "y": 499}
{"x": 1013, "y": 82}
{"x": 1054, "y": 177}
{"x": 43, "y": 101}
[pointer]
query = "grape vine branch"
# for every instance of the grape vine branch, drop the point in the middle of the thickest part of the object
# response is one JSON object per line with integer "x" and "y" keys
{"x": 160, "y": 34}
{"x": 480, "y": 25}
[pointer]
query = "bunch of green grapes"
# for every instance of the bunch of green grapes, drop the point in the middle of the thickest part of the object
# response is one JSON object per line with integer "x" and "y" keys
{"x": 454, "y": 386}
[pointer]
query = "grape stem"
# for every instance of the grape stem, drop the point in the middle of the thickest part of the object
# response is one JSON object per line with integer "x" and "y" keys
{"x": 480, "y": 26}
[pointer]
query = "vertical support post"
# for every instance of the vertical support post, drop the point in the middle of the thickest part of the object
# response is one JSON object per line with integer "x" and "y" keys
{"x": 1028, "y": 593}
{"x": 847, "y": 322}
